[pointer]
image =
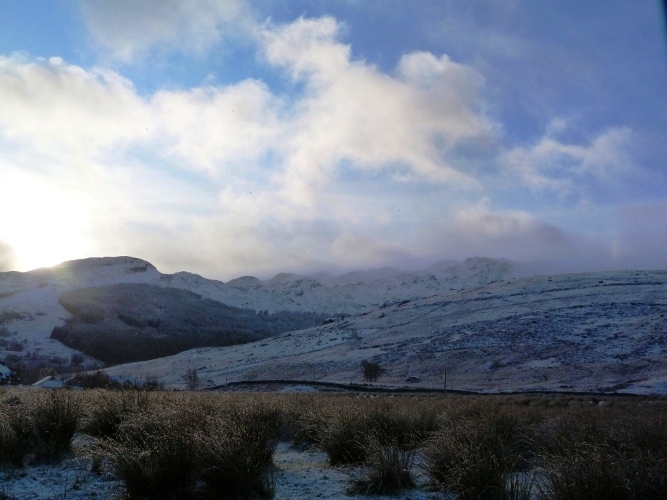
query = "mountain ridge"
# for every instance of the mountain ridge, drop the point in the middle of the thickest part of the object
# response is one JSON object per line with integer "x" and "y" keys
{"x": 29, "y": 307}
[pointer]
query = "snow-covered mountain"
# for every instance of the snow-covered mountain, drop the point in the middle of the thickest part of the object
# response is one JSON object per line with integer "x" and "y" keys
{"x": 29, "y": 307}
{"x": 603, "y": 332}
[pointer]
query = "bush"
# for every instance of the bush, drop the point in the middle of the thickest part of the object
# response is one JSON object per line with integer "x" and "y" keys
{"x": 187, "y": 447}
{"x": 15, "y": 437}
{"x": 236, "y": 461}
{"x": 388, "y": 472}
{"x": 476, "y": 456}
{"x": 55, "y": 421}
{"x": 155, "y": 458}
{"x": 370, "y": 370}
{"x": 191, "y": 379}
{"x": 588, "y": 455}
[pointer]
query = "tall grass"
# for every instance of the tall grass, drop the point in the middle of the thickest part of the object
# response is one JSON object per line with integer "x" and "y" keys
{"x": 476, "y": 455}
{"x": 15, "y": 438}
{"x": 55, "y": 421}
{"x": 40, "y": 427}
{"x": 109, "y": 409}
{"x": 182, "y": 447}
{"x": 343, "y": 426}
{"x": 154, "y": 457}
{"x": 166, "y": 445}
{"x": 236, "y": 460}
{"x": 605, "y": 455}
{"x": 388, "y": 470}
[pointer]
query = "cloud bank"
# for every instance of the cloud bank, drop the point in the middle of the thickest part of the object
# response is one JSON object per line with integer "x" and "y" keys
{"x": 344, "y": 165}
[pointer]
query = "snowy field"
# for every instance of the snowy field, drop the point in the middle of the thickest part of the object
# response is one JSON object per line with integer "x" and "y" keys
{"x": 597, "y": 332}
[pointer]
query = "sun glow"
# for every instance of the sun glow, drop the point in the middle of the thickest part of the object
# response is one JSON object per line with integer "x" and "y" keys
{"x": 42, "y": 226}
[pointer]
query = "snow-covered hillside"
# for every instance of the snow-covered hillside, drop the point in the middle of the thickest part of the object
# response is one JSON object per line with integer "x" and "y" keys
{"x": 579, "y": 332}
{"x": 29, "y": 306}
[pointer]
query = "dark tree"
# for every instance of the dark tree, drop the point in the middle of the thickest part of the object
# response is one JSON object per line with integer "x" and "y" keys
{"x": 192, "y": 379}
{"x": 370, "y": 370}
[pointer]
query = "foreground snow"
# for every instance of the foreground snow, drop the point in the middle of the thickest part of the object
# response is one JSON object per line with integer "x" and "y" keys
{"x": 72, "y": 480}
{"x": 299, "y": 474}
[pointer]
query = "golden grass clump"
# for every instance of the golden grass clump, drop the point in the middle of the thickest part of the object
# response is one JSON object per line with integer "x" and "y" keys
{"x": 197, "y": 445}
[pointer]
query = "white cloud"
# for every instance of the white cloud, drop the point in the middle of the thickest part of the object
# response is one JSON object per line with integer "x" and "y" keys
{"x": 224, "y": 180}
{"x": 554, "y": 165}
{"x": 125, "y": 163}
{"x": 128, "y": 30}
{"x": 207, "y": 127}
{"x": 63, "y": 108}
{"x": 353, "y": 112}
{"x": 68, "y": 112}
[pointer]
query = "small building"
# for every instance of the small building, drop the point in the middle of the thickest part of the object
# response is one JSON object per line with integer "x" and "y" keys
{"x": 6, "y": 374}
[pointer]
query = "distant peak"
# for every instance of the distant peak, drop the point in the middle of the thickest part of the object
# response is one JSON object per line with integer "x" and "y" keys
{"x": 284, "y": 277}
{"x": 245, "y": 282}
{"x": 485, "y": 260}
{"x": 96, "y": 262}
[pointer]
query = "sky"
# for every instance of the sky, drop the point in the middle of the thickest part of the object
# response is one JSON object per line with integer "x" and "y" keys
{"x": 232, "y": 138}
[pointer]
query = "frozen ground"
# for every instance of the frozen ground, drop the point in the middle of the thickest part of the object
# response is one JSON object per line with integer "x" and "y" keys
{"x": 71, "y": 480}
{"x": 299, "y": 475}
{"x": 306, "y": 474}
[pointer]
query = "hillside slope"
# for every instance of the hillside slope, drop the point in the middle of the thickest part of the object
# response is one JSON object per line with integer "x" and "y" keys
{"x": 29, "y": 307}
{"x": 133, "y": 322}
{"x": 577, "y": 332}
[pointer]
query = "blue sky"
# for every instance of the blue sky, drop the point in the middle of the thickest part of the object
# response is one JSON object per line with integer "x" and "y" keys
{"x": 231, "y": 138}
